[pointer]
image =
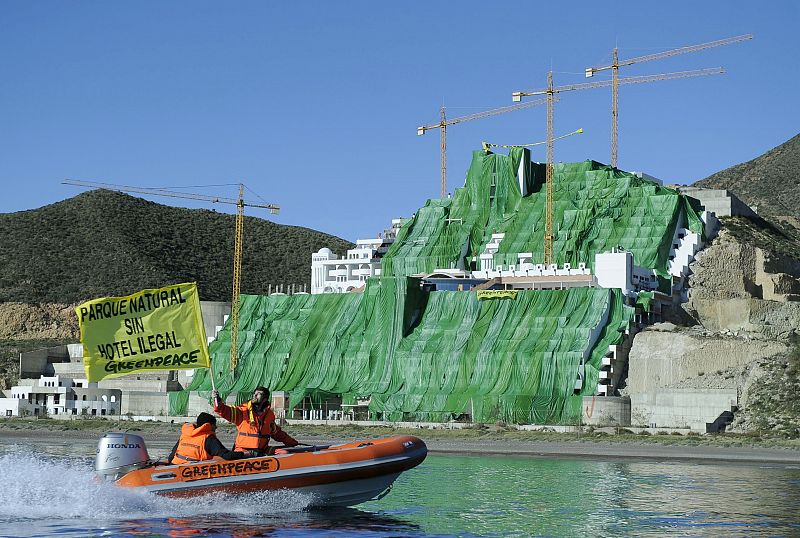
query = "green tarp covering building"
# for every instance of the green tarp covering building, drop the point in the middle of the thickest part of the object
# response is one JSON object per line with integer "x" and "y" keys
{"x": 437, "y": 356}
{"x": 595, "y": 208}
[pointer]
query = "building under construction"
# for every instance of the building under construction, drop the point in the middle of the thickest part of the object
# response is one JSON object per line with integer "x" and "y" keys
{"x": 424, "y": 341}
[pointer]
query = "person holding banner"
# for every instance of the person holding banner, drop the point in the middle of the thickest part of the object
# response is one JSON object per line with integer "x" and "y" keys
{"x": 199, "y": 442}
{"x": 255, "y": 422}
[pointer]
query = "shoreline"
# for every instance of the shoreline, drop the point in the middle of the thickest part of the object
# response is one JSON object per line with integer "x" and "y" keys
{"x": 725, "y": 448}
{"x": 629, "y": 451}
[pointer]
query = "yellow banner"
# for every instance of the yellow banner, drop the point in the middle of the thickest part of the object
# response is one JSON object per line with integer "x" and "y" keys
{"x": 497, "y": 294}
{"x": 157, "y": 329}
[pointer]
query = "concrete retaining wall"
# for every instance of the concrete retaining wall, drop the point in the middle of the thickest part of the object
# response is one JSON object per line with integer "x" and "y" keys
{"x": 681, "y": 408}
{"x": 145, "y": 403}
{"x": 721, "y": 202}
{"x": 606, "y": 411}
{"x": 677, "y": 379}
{"x": 39, "y": 361}
{"x": 197, "y": 405}
{"x": 141, "y": 382}
{"x": 214, "y": 313}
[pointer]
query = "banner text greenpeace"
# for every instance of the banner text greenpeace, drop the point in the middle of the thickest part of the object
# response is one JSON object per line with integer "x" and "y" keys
{"x": 155, "y": 329}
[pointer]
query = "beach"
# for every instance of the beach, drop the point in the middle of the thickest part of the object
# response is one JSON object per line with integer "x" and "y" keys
{"x": 490, "y": 441}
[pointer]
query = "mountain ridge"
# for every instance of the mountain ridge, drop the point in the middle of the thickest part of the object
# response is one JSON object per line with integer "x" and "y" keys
{"x": 102, "y": 243}
{"x": 769, "y": 182}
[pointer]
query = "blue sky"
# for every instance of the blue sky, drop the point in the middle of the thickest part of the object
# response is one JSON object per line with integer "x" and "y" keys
{"x": 314, "y": 105}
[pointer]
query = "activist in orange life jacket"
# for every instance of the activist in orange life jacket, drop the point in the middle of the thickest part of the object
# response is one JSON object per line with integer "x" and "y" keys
{"x": 199, "y": 442}
{"x": 255, "y": 422}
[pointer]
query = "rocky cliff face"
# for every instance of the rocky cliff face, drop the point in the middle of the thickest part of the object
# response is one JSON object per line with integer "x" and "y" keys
{"x": 24, "y": 327}
{"x": 19, "y": 321}
{"x": 737, "y": 286}
{"x": 740, "y": 331}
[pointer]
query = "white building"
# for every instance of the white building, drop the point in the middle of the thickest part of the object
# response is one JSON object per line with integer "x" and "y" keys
{"x": 332, "y": 274}
{"x": 59, "y": 395}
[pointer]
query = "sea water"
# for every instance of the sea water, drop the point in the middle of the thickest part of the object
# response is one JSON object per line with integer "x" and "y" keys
{"x": 45, "y": 493}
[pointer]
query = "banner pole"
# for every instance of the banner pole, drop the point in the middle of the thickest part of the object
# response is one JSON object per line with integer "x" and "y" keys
{"x": 211, "y": 371}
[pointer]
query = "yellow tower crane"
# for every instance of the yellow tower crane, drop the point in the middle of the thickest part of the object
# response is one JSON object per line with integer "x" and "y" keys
{"x": 444, "y": 122}
{"x": 616, "y": 63}
{"x": 550, "y": 93}
{"x": 240, "y": 204}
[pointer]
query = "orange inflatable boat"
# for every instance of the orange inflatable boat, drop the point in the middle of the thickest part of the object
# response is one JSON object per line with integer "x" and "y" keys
{"x": 336, "y": 475}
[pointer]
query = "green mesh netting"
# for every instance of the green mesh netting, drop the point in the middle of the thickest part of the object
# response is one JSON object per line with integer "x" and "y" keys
{"x": 425, "y": 358}
{"x": 644, "y": 299}
{"x": 595, "y": 208}
{"x": 435, "y": 356}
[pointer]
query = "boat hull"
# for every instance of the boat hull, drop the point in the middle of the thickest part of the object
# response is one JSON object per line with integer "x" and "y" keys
{"x": 340, "y": 475}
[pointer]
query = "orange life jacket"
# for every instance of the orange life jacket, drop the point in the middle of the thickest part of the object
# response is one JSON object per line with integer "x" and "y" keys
{"x": 192, "y": 444}
{"x": 255, "y": 431}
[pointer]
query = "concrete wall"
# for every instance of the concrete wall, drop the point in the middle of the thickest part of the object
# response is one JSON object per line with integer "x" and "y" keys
{"x": 141, "y": 403}
{"x": 614, "y": 270}
{"x": 38, "y": 362}
{"x": 682, "y": 379}
{"x": 198, "y": 405}
{"x": 74, "y": 370}
{"x": 606, "y": 411}
{"x": 15, "y": 407}
{"x": 681, "y": 408}
{"x": 722, "y": 202}
{"x": 214, "y": 313}
{"x": 152, "y": 382}
{"x": 145, "y": 403}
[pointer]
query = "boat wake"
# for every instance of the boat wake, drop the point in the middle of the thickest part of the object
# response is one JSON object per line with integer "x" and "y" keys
{"x": 47, "y": 495}
{"x": 37, "y": 486}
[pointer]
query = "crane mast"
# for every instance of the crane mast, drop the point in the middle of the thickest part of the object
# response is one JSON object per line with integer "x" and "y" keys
{"x": 237, "y": 278}
{"x": 443, "y": 151}
{"x": 616, "y": 64}
{"x": 550, "y": 93}
{"x": 238, "y": 243}
{"x": 548, "y": 229}
{"x": 614, "y": 107}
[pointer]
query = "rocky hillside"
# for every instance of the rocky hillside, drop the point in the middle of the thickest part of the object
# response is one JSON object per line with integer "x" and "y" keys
{"x": 770, "y": 182}
{"x": 20, "y": 321}
{"x": 103, "y": 243}
{"x": 739, "y": 331}
{"x": 746, "y": 289}
{"x": 780, "y": 235}
{"x": 25, "y": 327}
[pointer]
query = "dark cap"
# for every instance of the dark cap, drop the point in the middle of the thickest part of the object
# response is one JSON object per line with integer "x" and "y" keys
{"x": 205, "y": 418}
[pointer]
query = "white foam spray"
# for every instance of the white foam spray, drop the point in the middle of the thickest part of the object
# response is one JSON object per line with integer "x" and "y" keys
{"x": 36, "y": 486}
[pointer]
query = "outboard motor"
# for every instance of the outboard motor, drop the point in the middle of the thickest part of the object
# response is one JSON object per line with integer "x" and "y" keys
{"x": 119, "y": 453}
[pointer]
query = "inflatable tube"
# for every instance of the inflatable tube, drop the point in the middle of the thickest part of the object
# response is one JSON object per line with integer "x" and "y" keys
{"x": 338, "y": 475}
